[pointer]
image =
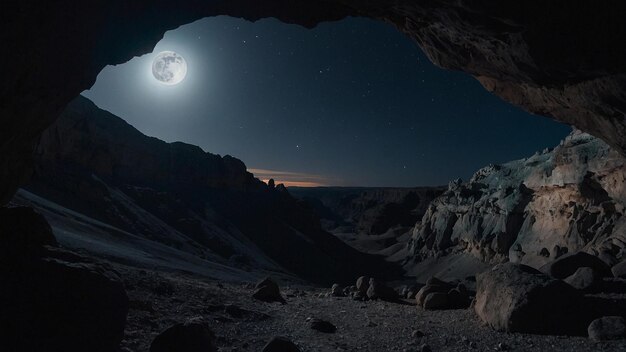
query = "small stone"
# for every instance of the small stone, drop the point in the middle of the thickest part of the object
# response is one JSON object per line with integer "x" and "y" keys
{"x": 322, "y": 326}
{"x": 280, "y": 344}
{"x": 417, "y": 334}
{"x": 336, "y": 291}
{"x": 425, "y": 348}
{"x": 607, "y": 328}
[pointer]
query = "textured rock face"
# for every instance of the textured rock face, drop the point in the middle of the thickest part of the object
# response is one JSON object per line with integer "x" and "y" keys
{"x": 534, "y": 210}
{"x": 561, "y": 59}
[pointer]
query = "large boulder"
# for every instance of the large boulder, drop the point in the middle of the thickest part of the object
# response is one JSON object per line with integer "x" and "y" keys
{"x": 518, "y": 298}
{"x": 584, "y": 279}
{"x": 436, "y": 301}
{"x": 607, "y": 328}
{"x": 377, "y": 290}
{"x": 192, "y": 336}
{"x": 438, "y": 294}
{"x": 619, "y": 270}
{"x": 567, "y": 265}
{"x": 362, "y": 284}
{"x": 53, "y": 299}
{"x": 267, "y": 290}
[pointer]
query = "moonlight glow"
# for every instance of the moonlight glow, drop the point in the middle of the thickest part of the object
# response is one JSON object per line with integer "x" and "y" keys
{"x": 169, "y": 68}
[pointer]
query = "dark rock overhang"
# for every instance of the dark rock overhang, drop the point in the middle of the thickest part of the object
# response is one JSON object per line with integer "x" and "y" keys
{"x": 561, "y": 58}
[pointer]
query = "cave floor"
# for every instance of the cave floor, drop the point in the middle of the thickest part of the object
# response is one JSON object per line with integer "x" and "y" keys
{"x": 159, "y": 300}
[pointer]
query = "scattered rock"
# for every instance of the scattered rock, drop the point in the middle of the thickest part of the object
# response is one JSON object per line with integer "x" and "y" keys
{"x": 280, "y": 344}
{"x": 425, "y": 348}
{"x": 417, "y": 334}
{"x": 584, "y": 279}
{"x": 337, "y": 291}
{"x": 268, "y": 291}
{"x": 607, "y": 328}
{"x": 568, "y": 264}
{"x": 348, "y": 291}
{"x": 459, "y": 297}
{"x": 358, "y": 296}
{"x": 322, "y": 326}
{"x": 431, "y": 288}
{"x": 518, "y": 298}
{"x": 362, "y": 284}
{"x": 436, "y": 301}
{"x": 377, "y": 290}
{"x": 187, "y": 337}
{"x": 445, "y": 295}
{"x": 619, "y": 270}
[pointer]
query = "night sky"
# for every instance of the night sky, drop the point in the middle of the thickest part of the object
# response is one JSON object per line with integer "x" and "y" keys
{"x": 352, "y": 103}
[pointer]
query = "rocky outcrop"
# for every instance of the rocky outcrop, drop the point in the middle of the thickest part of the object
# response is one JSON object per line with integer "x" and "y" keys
{"x": 53, "y": 299}
{"x": 533, "y": 210}
{"x": 177, "y": 195}
{"x": 561, "y": 59}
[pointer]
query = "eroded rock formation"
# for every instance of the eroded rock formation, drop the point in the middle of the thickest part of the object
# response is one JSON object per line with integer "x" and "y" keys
{"x": 560, "y": 58}
{"x": 534, "y": 210}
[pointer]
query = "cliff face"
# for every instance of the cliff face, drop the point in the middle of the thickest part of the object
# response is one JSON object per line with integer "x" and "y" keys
{"x": 175, "y": 194}
{"x": 533, "y": 210}
{"x": 559, "y": 58}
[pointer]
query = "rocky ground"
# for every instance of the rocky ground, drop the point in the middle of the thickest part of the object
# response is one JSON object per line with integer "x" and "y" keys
{"x": 159, "y": 300}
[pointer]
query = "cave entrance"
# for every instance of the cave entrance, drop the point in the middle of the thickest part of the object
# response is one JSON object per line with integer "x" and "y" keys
{"x": 348, "y": 103}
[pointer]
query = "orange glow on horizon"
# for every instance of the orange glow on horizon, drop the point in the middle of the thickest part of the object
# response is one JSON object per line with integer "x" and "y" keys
{"x": 292, "y": 179}
{"x": 296, "y": 183}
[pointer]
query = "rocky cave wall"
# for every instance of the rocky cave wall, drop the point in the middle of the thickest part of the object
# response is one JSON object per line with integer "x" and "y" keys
{"x": 560, "y": 58}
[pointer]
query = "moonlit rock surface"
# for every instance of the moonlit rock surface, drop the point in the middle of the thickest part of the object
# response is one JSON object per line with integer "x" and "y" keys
{"x": 534, "y": 210}
{"x": 169, "y": 68}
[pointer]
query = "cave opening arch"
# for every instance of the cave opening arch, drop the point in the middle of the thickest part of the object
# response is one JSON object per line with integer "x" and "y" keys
{"x": 575, "y": 74}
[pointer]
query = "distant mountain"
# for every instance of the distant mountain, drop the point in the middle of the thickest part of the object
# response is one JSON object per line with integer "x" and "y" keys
{"x": 207, "y": 206}
{"x": 377, "y": 220}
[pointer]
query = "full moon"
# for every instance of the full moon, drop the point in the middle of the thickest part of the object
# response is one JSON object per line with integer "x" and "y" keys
{"x": 169, "y": 68}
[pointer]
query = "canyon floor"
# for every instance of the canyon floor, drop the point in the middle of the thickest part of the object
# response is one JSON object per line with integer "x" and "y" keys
{"x": 159, "y": 300}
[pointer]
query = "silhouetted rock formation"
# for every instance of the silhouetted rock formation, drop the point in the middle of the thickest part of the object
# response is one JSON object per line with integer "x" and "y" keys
{"x": 174, "y": 193}
{"x": 534, "y": 210}
{"x": 54, "y": 300}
